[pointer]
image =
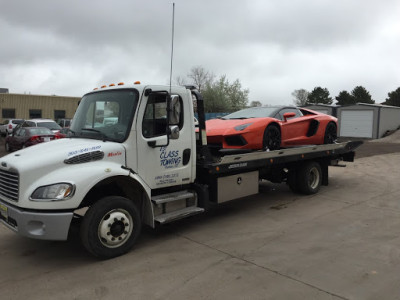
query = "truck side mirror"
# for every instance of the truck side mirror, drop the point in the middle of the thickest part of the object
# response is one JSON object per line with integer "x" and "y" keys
{"x": 175, "y": 110}
{"x": 174, "y": 132}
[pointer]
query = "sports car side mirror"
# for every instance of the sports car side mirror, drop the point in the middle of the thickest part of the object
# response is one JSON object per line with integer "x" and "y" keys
{"x": 288, "y": 115}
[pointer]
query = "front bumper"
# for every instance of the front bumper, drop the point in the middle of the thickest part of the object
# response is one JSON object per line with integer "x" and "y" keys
{"x": 43, "y": 225}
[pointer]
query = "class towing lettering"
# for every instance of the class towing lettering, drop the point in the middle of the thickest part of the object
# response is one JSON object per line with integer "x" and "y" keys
{"x": 169, "y": 159}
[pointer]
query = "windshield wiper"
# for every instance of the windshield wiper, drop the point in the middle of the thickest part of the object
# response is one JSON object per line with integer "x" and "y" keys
{"x": 70, "y": 131}
{"x": 97, "y": 131}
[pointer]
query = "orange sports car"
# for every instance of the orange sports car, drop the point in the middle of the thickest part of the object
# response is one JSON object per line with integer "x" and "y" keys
{"x": 271, "y": 128}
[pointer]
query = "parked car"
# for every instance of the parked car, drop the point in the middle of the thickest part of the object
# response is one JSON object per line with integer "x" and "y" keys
{"x": 62, "y": 133}
{"x": 48, "y": 123}
{"x": 23, "y": 137}
{"x": 64, "y": 122}
{"x": 8, "y": 126}
{"x": 271, "y": 128}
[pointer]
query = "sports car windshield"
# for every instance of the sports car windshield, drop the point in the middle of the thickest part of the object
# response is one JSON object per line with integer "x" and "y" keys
{"x": 105, "y": 115}
{"x": 253, "y": 112}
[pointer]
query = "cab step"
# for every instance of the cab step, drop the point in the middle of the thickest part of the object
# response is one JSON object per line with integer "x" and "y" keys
{"x": 165, "y": 198}
{"x": 179, "y": 214}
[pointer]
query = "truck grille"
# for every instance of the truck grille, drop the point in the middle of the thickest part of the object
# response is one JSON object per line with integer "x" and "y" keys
{"x": 9, "y": 184}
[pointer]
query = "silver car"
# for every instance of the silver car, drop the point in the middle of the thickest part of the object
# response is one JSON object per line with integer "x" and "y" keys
{"x": 8, "y": 126}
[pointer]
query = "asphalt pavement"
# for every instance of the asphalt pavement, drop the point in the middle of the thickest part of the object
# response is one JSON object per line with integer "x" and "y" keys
{"x": 342, "y": 243}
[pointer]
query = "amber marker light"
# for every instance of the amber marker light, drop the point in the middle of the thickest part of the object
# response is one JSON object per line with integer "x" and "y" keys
{"x": 217, "y": 169}
{"x": 302, "y": 156}
{"x": 103, "y": 86}
{"x": 121, "y": 83}
{"x": 95, "y": 89}
{"x": 112, "y": 84}
{"x": 136, "y": 82}
{"x": 271, "y": 160}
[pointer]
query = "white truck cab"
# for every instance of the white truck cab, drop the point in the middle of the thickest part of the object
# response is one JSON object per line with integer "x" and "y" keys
{"x": 119, "y": 145}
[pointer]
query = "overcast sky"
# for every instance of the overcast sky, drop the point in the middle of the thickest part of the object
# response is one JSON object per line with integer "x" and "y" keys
{"x": 272, "y": 46}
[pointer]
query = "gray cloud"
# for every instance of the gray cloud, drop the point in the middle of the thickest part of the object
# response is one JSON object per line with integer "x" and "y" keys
{"x": 273, "y": 47}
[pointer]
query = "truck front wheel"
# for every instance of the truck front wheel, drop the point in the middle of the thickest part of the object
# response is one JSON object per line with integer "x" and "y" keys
{"x": 110, "y": 227}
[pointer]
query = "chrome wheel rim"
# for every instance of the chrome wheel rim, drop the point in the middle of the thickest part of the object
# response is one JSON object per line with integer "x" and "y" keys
{"x": 313, "y": 180}
{"x": 115, "y": 228}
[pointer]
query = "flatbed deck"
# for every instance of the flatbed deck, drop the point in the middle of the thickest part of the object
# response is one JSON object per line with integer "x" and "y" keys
{"x": 258, "y": 159}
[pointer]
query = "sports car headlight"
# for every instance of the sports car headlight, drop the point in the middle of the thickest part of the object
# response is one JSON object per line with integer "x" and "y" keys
{"x": 54, "y": 192}
{"x": 242, "y": 127}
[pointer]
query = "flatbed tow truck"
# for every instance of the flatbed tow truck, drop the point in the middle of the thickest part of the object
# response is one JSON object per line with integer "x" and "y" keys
{"x": 133, "y": 157}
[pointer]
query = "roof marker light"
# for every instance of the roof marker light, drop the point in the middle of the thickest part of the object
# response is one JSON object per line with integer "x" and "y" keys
{"x": 121, "y": 83}
{"x": 112, "y": 84}
{"x": 103, "y": 86}
{"x": 95, "y": 89}
{"x": 136, "y": 82}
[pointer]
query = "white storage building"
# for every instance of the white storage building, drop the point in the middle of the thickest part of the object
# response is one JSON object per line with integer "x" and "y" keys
{"x": 367, "y": 120}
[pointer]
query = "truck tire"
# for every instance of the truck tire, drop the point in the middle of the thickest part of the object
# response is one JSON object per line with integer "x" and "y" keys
{"x": 110, "y": 227}
{"x": 309, "y": 177}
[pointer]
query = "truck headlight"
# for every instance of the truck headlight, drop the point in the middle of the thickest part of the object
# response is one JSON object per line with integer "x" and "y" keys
{"x": 54, "y": 192}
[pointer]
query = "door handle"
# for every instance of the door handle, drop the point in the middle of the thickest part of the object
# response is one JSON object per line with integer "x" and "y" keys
{"x": 186, "y": 156}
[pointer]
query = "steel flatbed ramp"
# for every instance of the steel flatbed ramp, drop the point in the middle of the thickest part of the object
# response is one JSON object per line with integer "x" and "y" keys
{"x": 257, "y": 159}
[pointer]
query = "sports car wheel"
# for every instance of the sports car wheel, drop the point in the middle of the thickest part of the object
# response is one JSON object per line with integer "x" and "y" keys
{"x": 330, "y": 134}
{"x": 272, "y": 138}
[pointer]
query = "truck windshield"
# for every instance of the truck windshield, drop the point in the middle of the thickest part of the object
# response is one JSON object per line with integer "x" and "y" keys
{"x": 105, "y": 115}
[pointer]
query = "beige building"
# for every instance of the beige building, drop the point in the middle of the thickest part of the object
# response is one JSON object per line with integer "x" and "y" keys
{"x": 23, "y": 106}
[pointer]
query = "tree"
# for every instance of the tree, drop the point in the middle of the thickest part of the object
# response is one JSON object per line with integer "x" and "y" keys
{"x": 300, "y": 97}
{"x": 237, "y": 97}
{"x": 319, "y": 95}
{"x": 393, "y": 98}
{"x": 179, "y": 80}
{"x": 361, "y": 95}
{"x": 344, "y": 98}
{"x": 255, "y": 104}
{"x": 200, "y": 77}
{"x": 221, "y": 96}
{"x": 215, "y": 98}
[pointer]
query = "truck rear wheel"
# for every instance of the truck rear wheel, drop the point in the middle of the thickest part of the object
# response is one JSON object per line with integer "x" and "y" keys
{"x": 309, "y": 177}
{"x": 110, "y": 227}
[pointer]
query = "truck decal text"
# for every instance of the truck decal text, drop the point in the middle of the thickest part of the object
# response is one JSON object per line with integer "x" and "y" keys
{"x": 84, "y": 150}
{"x": 169, "y": 159}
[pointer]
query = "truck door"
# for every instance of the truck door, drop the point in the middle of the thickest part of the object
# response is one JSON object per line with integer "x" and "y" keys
{"x": 164, "y": 161}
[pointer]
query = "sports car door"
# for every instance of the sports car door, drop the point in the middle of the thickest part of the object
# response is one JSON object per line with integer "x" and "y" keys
{"x": 294, "y": 130}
